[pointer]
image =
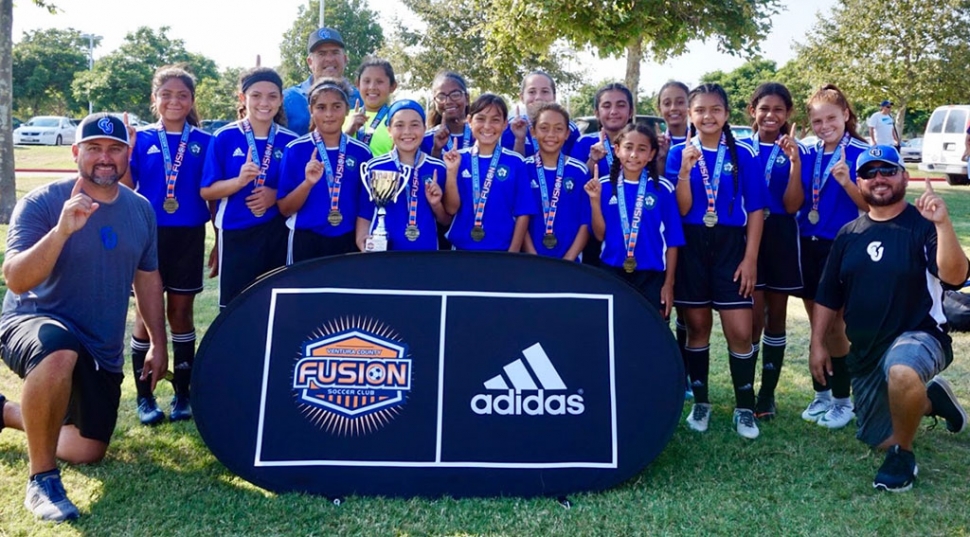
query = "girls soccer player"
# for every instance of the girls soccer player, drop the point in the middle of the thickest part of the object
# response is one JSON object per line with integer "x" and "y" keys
{"x": 672, "y": 103}
{"x": 537, "y": 88}
{"x": 487, "y": 190}
{"x": 320, "y": 179}
{"x": 560, "y": 228}
{"x": 778, "y": 272}
{"x": 411, "y": 218}
{"x": 447, "y": 123}
{"x": 242, "y": 173}
{"x": 829, "y": 204}
{"x": 634, "y": 214}
{"x": 375, "y": 78}
{"x": 166, "y": 168}
{"x": 721, "y": 199}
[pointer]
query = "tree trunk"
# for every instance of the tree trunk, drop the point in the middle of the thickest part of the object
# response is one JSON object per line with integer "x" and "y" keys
{"x": 8, "y": 185}
{"x": 901, "y": 119}
{"x": 634, "y": 55}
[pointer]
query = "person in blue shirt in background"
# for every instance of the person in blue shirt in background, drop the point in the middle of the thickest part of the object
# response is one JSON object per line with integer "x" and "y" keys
{"x": 326, "y": 57}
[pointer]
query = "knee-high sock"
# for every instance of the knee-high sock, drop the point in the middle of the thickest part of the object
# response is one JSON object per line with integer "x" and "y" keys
{"x": 840, "y": 381}
{"x": 183, "y": 347}
{"x": 773, "y": 357}
{"x": 742, "y": 376}
{"x": 139, "y": 350}
{"x": 699, "y": 362}
{"x": 681, "y": 331}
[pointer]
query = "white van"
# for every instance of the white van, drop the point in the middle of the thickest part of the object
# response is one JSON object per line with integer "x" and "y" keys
{"x": 945, "y": 141}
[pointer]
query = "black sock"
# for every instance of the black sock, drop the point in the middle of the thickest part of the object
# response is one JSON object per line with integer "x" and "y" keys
{"x": 772, "y": 359}
{"x": 699, "y": 361}
{"x": 139, "y": 350}
{"x": 183, "y": 347}
{"x": 840, "y": 381}
{"x": 3, "y": 402}
{"x": 742, "y": 376}
{"x": 681, "y": 330}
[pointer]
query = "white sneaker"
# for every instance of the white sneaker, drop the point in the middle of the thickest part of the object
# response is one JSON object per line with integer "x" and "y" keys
{"x": 837, "y": 417}
{"x": 745, "y": 423}
{"x": 818, "y": 407}
{"x": 699, "y": 416}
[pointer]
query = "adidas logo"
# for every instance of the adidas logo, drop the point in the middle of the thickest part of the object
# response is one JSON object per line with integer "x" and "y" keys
{"x": 466, "y": 174}
{"x": 613, "y": 200}
{"x": 535, "y": 184}
{"x": 152, "y": 150}
{"x": 238, "y": 153}
{"x": 543, "y": 378}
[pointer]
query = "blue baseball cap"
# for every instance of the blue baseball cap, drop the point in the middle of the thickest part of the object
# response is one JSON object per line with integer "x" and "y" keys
{"x": 887, "y": 102}
{"x": 102, "y": 125}
{"x": 879, "y": 153}
{"x": 323, "y": 35}
{"x": 404, "y": 104}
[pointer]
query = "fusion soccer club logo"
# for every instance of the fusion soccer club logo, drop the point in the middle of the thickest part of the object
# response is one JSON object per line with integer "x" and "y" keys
{"x": 352, "y": 376}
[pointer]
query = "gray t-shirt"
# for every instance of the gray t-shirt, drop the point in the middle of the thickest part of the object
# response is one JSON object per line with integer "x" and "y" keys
{"x": 90, "y": 286}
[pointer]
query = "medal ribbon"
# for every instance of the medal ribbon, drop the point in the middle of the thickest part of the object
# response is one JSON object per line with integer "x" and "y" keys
{"x": 549, "y": 207}
{"x": 172, "y": 169}
{"x": 819, "y": 179}
{"x": 771, "y": 158}
{"x": 333, "y": 181}
{"x": 415, "y": 184}
{"x": 466, "y": 138}
{"x": 609, "y": 152}
{"x": 480, "y": 191}
{"x": 711, "y": 186}
{"x": 267, "y": 153}
{"x": 631, "y": 229}
{"x": 365, "y": 136}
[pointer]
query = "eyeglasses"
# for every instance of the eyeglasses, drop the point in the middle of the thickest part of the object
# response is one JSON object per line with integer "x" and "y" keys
{"x": 454, "y": 96}
{"x": 885, "y": 171}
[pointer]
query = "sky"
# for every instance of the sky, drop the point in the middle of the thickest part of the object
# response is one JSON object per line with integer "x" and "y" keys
{"x": 233, "y": 35}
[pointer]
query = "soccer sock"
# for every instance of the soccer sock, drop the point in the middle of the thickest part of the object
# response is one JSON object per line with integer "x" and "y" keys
{"x": 183, "y": 347}
{"x": 772, "y": 359}
{"x": 699, "y": 361}
{"x": 139, "y": 350}
{"x": 3, "y": 402}
{"x": 681, "y": 330}
{"x": 742, "y": 375}
{"x": 840, "y": 381}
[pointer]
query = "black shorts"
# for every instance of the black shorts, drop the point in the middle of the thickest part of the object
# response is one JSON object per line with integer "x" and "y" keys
{"x": 706, "y": 265}
{"x": 247, "y": 254}
{"x": 815, "y": 252}
{"x": 95, "y": 392}
{"x": 779, "y": 257}
{"x": 304, "y": 244}
{"x": 181, "y": 259}
{"x": 647, "y": 282}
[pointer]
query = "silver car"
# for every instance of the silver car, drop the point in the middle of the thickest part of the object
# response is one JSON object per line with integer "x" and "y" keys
{"x": 46, "y": 130}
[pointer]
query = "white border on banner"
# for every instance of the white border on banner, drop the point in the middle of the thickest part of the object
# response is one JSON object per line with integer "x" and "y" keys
{"x": 437, "y": 463}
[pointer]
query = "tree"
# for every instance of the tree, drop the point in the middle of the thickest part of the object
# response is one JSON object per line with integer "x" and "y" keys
{"x": 740, "y": 85}
{"x": 121, "y": 81}
{"x": 44, "y": 63}
{"x": 8, "y": 181}
{"x": 454, "y": 36}
{"x": 912, "y": 52}
{"x": 357, "y": 24}
{"x": 216, "y": 98}
{"x": 613, "y": 27}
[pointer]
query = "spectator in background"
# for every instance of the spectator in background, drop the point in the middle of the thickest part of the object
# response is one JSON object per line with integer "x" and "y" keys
{"x": 882, "y": 126}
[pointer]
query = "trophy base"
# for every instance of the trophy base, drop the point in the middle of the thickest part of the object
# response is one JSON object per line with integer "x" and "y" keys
{"x": 375, "y": 244}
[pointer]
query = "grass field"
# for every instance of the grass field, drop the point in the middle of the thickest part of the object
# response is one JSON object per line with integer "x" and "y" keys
{"x": 796, "y": 479}
{"x": 34, "y": 157}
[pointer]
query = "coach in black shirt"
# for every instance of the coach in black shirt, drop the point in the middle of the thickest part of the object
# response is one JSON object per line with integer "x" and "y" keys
{"x": 888, "y": 270}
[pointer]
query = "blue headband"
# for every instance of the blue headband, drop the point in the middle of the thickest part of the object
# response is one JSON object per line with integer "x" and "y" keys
{"x": 404, "y": 104}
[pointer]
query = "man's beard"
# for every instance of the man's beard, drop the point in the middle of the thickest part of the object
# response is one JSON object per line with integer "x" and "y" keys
{"x": 898, "y": 192}
{"x": 104, "y": 178}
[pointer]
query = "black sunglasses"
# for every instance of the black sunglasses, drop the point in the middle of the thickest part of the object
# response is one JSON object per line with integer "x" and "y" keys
{"x": 888, "y": 170}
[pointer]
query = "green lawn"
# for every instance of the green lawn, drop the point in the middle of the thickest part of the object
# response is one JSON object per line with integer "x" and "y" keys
{"x": 34, "y": 157}
{"x": 796, "y": 479}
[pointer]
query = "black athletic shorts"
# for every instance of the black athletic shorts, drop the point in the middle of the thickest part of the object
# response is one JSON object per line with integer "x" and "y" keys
{"x": 647, "y": 282}
{"x": 181, "y": 259}
{"x": 815, "y": 252}
{"x": 779, "y": 257}
{"x": 305, "y": 244}
{"x": 706, "y": 265}
{"x": 95, "y": 392}
{"x": 247, "y": 254}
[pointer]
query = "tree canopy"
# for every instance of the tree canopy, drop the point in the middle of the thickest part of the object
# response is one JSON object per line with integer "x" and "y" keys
{"x": 44, "y": 63}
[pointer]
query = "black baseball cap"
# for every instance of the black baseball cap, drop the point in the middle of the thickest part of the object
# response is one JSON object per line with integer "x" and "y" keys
{"x": 323, "y": 35}
{"x": 102, "y": 125}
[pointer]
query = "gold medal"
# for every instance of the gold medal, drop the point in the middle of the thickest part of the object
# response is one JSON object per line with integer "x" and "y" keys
{"x": 335, "y": 218}
{"x": 767, "y": 212}
{"x": 813, "y": 216}
{"x": 549, "y": 240}
{"x": 478, "y": 233}
{"x": 412, "y": 233}
{"x": 710, "y": 219}
{"x": 170, "y": 205}
{"x": 259, "y": 214}
{"x": 630, "y": 264}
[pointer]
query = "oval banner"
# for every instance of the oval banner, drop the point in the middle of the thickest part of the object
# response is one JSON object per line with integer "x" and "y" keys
{"x": 438, "y": 373}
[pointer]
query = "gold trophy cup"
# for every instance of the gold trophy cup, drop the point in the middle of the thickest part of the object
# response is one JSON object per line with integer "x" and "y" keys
{"x": 383, "y": 187}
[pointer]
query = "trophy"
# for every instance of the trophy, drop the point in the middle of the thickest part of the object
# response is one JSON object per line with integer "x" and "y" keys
{"x": 383, "y": 187}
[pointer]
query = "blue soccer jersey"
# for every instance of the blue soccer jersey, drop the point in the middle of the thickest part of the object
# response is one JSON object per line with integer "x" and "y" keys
{"x": 461, "y": 140}
{"x": 148, "y": 174}
{"x": 572, "y": 205}
{"x": 775, "y": 170}
{"x": 835, "y": 207}
{"x": 660, "y": 226}
{"x": 581, "y": 149}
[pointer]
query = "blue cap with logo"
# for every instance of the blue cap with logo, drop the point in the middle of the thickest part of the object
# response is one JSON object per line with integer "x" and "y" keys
{"x": 323, "y": 35}
{"x": 879, "y": 153}
{"x": 887, "y": 102}
{"x": 102, "y": 125}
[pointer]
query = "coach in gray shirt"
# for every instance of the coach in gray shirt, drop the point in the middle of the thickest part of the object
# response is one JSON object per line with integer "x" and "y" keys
{"x": 75, "y": 249}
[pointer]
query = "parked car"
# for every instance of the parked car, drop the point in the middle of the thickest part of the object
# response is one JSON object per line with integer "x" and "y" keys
{"x": 46, "y": 130}
{"x": 809, "y": 141}
{"x": 17, "y": 123}
{"x": 741, "y": 131}
{"x": 912, "y": 150}
{"x": 944, "y": 142}
{"x": 588, "y": 124}
{"x": 212, "y": 125}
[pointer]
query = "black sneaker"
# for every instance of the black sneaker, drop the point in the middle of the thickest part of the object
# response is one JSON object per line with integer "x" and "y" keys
{"x": 945, "y": 404}
{"x": 764, "y": 408}
{"x": 898, "y": 471}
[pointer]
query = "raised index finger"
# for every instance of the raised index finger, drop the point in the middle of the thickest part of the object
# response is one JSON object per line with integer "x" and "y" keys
{"x": 792, "y": 131}
{"x": 77, "y": 187}
{"x": 929, "y": 186}
{"x": 313, "y": 156}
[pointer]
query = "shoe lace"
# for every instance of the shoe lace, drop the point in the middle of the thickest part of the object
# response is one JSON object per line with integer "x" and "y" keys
{"x": 838, "y": 411}
{"x": 53, "y": 489}
{"x": 700, "y": 412}
{"x": 746, "y": 419}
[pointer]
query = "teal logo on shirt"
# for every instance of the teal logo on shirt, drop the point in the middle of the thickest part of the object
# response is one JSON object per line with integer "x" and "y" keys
{"x": 278, "y": 154}
{"x": 195, "y": 148}
{"x": 109, "y": 239}
{"x": 728, "y": 167}
{"x": 502, "y": 173}
{"x": 351, "y": 162}
{"x": 650, "y": 201}
{"x": 569, "y": 185}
